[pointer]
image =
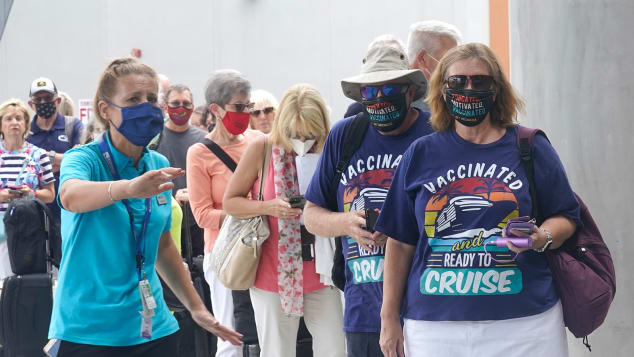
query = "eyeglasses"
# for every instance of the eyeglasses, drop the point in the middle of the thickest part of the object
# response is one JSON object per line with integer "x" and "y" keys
{"x": 43, "y": 99}
{"x": 266, "y": 110}
{"x": 174, "y": 105}
{"x": 240, "y": 107}
{"x": 388, "y": 90}
{"x": 478, "y": 82}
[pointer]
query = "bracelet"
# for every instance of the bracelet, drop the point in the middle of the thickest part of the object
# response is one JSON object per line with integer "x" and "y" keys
{"x": 110, "y": 191}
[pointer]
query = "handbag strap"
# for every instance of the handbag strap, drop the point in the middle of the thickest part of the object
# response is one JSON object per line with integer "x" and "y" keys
{"x": 265, "y": 165}
{"x": 222, "y": 155}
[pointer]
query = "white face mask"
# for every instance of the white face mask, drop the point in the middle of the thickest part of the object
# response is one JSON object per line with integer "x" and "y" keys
{"x": 302, "y": 148}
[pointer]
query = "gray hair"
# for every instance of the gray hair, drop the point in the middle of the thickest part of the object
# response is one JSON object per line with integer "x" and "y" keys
{"x": 178, "y": 88}
{"x": 424, "y": 35}
{"x": 261, "y": 96}
{"x": 224, "y": 84}
{"x": 388, "y": 40}
{"x": 66, "y": 107}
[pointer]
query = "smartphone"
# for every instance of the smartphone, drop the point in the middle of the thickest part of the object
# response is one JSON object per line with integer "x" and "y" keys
{"x": 297, "y": 201}
{"x": 370, "y": 219}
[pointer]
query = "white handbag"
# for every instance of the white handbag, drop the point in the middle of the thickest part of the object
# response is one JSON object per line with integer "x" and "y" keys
{"x": 236, "y": 252}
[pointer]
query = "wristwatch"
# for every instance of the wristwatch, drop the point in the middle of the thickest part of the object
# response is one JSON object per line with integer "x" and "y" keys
{"x": 549, "y": 241}
{"x": 51, "y": 155}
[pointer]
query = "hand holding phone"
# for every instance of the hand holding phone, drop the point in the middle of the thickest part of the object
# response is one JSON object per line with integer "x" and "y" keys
{"x": 297, "y": 201}
{"x": 521, "y": 224}
{"x": 15, "y": 192}
{"x": 370, "y": 219}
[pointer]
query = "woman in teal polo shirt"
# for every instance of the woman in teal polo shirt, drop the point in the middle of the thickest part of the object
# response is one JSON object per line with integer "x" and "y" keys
{"x": 115, "y": 195}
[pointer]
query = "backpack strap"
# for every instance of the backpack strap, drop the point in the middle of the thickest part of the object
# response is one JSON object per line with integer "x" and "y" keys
{"x": 69, "y": 128}
{"x": 352, "y": 141}
{"x": 525, "y": 141}
{"x": 222, "y": 155}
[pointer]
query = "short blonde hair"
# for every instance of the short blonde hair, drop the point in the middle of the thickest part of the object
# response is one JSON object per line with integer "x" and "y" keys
{"x": 507, "y": 103}
{"x": 118, "y": 68}
{"x": 66, "y": 107}
{"x": 16, "y": 105}
{"x": 302, "y": 112}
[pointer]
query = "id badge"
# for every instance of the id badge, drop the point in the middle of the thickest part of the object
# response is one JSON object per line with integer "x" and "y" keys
{"x": 146, "y": 295}
{"x": 146, "y": 324}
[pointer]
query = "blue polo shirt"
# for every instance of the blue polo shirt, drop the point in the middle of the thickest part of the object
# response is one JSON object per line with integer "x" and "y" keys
{"x": 55, "y": 139}
{"x": 97, "y": 299}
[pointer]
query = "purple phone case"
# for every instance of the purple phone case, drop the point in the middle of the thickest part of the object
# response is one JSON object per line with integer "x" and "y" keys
{"x": 525, "y": 242}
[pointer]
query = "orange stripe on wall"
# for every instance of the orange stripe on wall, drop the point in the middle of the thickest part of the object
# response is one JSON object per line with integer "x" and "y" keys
{"x": 499, "y": 32}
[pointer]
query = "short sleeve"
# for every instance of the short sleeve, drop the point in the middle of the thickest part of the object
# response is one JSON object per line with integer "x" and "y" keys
{"x": 77, "y": 164}
{"x": 555, "y": 196}
{"x": 45, "y": 176}
{"x": 398, "y": 217}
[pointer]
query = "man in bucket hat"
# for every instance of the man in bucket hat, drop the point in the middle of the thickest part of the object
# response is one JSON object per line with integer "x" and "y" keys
{"x": 386, "y": 88}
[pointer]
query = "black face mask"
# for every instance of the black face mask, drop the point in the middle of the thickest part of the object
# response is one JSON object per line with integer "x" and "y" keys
{"x": 45, "y": 110}
{"x": 468, "y": 106}
{"x": 386, "y": 113}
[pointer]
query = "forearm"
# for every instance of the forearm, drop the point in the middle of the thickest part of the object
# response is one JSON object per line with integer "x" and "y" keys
{"x": 398, "y": 259}
{"x": 46, "y": 194}
{"x": 84, "y": 196}
{"x": 561, "y": 229}
{"x": 321, "y": 221}
{"x": 170, "y": 266}
{"x": 242, "y": 207}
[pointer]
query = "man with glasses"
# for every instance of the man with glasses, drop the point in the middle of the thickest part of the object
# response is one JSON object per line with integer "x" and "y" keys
{"x": 177, "y": 136}
{"x": 427, "y": 43}
{"x": 50, "y": 130}
{"x": 346, "y": 193}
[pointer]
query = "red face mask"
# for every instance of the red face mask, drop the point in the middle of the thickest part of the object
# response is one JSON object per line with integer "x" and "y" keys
{"x": 179, "y": 115}
{"x": 236, "y": 123}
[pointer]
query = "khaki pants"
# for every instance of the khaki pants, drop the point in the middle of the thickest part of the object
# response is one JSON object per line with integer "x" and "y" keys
{"x": 277, "y": 332}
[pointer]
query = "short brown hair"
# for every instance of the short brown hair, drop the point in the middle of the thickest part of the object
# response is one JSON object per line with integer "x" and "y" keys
{"x": 118, "y": 68}
{"x": 302, "y": 111}
{"x": 507, "y": 102}
{"x": 16, "y": 105}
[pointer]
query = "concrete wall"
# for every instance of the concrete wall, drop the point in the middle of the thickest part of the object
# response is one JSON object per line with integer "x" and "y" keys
{"x": 276, "y": 43}
{"x": 572, "y": 62}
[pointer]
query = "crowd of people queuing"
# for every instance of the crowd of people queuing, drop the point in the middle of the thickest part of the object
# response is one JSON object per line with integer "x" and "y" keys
{"x": 436, "y": 162}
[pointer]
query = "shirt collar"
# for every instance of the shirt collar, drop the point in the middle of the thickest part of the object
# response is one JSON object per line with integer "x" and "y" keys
{"x": 122, "y": 162}
{"x": 60, "y": 123}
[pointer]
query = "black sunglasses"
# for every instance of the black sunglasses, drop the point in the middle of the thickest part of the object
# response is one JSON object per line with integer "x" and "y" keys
{"x": 240, "y": 107}
{"x": 388, "y": 90}
{"x": 478, "y": 82}
{"x": 266, "y": 110}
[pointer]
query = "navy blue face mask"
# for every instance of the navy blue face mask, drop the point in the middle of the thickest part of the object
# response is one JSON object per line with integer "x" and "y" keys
{"x": 140, "y": 123}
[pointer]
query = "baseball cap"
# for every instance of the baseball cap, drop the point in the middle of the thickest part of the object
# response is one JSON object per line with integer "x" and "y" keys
{"x": 42, "y": 84}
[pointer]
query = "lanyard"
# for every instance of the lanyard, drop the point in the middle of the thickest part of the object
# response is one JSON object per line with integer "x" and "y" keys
{"x": 140, "y": 248}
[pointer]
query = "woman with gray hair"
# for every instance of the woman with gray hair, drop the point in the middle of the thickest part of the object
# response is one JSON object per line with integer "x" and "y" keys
{"x": 228, "y": 98}
{"x": 263, "y": 112}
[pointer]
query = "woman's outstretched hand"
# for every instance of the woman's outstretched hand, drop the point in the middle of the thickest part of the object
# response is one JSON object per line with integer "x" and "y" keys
{"x": 153, "y": 182}
{"x": 207, "y": 321}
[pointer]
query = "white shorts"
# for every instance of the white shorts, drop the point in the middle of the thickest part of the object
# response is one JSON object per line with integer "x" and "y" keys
{"x": 541, "y": 335}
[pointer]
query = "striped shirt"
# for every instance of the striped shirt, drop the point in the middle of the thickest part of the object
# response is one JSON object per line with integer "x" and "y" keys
{"x": 30, "y": 163}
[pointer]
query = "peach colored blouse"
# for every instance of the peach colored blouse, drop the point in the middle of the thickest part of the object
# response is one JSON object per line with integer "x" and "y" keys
{"x": 207, "y": 178}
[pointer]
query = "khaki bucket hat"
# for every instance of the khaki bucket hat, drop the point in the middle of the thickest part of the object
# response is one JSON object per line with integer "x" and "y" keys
{"x": 383, "y": 63}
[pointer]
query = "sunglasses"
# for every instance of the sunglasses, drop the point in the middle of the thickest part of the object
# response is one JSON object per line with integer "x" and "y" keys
{"x": 240, "y": 107}
{"x": 387, "y": 90}
{"x": 478, "y": 82}
{"x": 186, "y": 105}
{"x": 266, "y": 110}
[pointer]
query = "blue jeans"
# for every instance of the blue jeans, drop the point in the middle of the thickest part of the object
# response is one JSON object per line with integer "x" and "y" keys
{"x": 363, "y": 344}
